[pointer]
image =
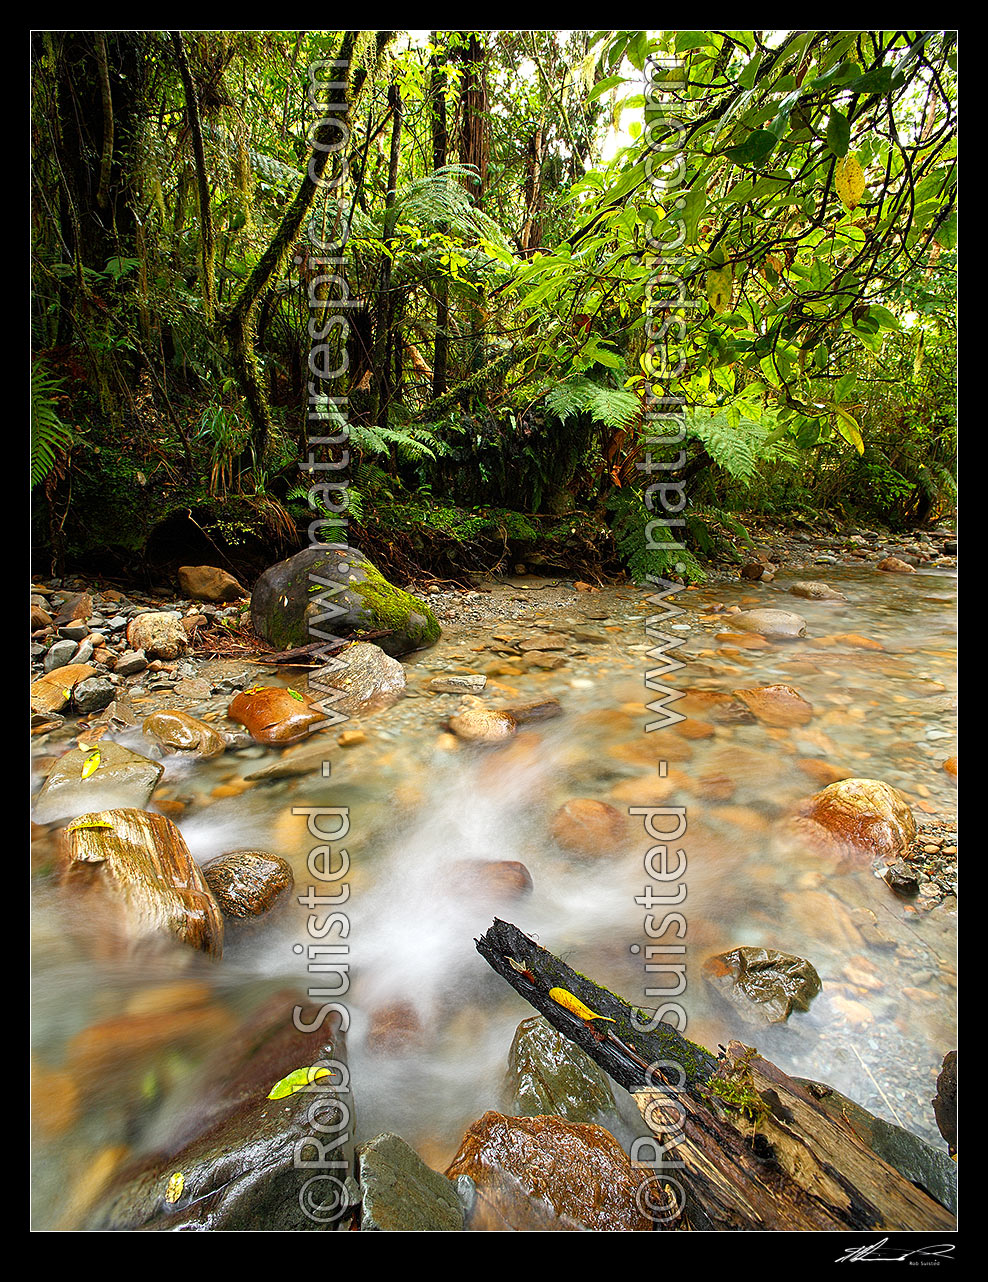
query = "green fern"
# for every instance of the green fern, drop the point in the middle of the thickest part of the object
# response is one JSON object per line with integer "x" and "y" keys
{"x": 612, "y": 406}
{"x": 49, "y": 435}
{"x": 636, "y": 543}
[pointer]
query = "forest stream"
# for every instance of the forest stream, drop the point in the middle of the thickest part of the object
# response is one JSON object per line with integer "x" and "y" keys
{"x": 430, "y": 1026}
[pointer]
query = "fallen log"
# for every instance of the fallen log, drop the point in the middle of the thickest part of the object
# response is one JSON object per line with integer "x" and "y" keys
{"x": 744, "y": 1146}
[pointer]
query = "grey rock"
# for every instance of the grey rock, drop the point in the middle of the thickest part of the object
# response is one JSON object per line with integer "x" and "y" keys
{"x": 471, "y": 683}
{"x": 130, "y": 663}
{"x": 93, "y": 695}
{"x": 399, "y": 1193}
{"x": 341, "y": 593}
{"x": 122, "y": 779}
{"x": 815, "y": 591}
{"x": 361, "y": 678}
{"x": 59, "y": 655}
{"x": 83, "y": 652}
{"x": 74, "y": 631}
{"x": 548, "y": 1075}
{"x": 770, "y": 623}
{"x": 764, "y": 985}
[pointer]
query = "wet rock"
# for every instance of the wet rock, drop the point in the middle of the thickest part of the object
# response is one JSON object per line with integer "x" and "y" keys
{"x": 241, "y": 1155}
{"x": 922, "y": 1164}
{"x": 469, "y": 683}
{"x": 133, "y": 869}
{"x": 490, "y": 879}
{"x": 776, "y": 705}
{"x": 549, "y": 1075}
{"x": 248, "y": 883}
{"x": 183, "y": 733}
{"x": 79, "y": 606}
{"x": 945, "y": 1102}
{"x": 538, "y": 1173}
{"x": 901, "y": 877}
{"x": 770, "y": 623}
{"x": 812, "y": 590}
{"x": 93, "y": 695}
{"x": 59, "y": 655}
{"x": 950, "y": 765}
{"x": 544, "y": 641}
{"x": 40, "y": 618}
{"x": 160, "y": 635}
{"x": 765, "y": 986}
{"x": 713, "y": 705}
{"x": 114, "y": 777}
{"x": 359, "y": 679}
{"x": 400, "y": 1194}
{"x": 275, "y": 715}
{"x": 894, "y": 565}
{"x": 866, "y": 817}
{"x": 130, "y": 663}
{"x": 536, "y": 709}
{"x": 478, "y": 723}
{"x": 284, "y": 603}
{"x": 207, "y": 583}
{"x": 588, "y": 827}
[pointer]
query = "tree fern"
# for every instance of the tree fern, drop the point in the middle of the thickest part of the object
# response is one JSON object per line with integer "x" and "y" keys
{"x": 612, "y": 406}
{"x": 49, "y": 435}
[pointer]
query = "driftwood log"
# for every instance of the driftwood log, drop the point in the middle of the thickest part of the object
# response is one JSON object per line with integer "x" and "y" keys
{"x": 740, "y": 1145}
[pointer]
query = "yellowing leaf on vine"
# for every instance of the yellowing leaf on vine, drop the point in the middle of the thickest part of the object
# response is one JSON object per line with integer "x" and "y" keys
{"x": 571, "y": 1003}
{"x": 849, "y": 429}
{"x": 296, "y": 1081}
{"x": 720, "y": 288}
{"x": 91, "y": 764}
{"x": 849, "y": 180}
{"x": 175, "y": 1186}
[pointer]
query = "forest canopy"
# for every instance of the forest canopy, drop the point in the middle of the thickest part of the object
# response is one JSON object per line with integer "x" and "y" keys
{"x": 497, "y": 223}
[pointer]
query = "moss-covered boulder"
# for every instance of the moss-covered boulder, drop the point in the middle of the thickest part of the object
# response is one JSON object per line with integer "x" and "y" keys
{"x": 322, "y": 593}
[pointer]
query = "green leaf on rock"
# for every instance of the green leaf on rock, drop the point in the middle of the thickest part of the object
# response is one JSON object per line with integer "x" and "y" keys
{"x": 297, "y": 1080}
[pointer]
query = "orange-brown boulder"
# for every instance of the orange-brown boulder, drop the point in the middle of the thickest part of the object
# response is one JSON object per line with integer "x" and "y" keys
{"x": 776, "y": 705}
{"x": 542, "y": 1173}
{"x": 275, "y": 715}
{"x": 866, "y": 817}
{"x": 589, "y": 827}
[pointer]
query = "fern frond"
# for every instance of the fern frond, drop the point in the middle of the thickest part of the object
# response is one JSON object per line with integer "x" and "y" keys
{"x": 49, "y": 435}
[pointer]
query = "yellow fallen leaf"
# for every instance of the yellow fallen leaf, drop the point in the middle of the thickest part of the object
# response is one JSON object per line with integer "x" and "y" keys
{"x": 574, "y": 1004}
{"x": 849, "y": 181}
{"x": 91, "y": 764}
{"x": 175, "y": 1186}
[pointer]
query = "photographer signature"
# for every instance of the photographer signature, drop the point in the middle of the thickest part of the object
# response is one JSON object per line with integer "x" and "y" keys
{"x": 874, "y": 1252}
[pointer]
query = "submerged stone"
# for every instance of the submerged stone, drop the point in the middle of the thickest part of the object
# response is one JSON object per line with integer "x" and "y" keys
{"x": 764, "y": 985}
{"x": 400, "y": 1194}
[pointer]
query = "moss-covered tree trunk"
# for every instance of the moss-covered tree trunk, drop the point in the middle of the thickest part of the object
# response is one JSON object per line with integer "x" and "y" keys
{"x": 240, "y": 321}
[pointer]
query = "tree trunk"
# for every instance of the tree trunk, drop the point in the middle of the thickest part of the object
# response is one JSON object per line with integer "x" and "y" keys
{"x": 747, "y": 1147}
{"x": 240, "y": 321}
{"x": 440, "y": 157}
{"x": 206, "y": 236}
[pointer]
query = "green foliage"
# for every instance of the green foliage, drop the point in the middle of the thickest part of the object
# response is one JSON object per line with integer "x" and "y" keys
{"x": 613, "y": 407}
{"x": 49, "y": 435}
{"x": 646, "y": 549}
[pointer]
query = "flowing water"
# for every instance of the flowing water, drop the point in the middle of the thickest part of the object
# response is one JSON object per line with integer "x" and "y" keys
{"x": 118, "y": 1046}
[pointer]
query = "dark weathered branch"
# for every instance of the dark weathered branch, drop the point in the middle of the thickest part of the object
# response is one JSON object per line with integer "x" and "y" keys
{"x": 746, "y": 1146}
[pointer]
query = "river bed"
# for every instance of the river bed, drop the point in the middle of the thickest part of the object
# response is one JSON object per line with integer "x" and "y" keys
{"x": 419, "y": 803}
